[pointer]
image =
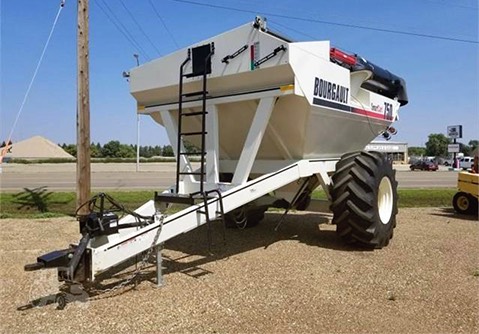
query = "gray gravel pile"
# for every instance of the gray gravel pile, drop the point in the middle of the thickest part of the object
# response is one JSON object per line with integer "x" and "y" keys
{"x": 301, "y": 279}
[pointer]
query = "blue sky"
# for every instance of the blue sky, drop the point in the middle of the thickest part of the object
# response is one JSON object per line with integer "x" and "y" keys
{"x": 441, "y": 75}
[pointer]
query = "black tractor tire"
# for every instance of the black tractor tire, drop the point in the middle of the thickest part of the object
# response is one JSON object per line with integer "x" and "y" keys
{"x": 364, "y": 199}
{"x": 465, "y": 203}
{"x": 244, "y": 218}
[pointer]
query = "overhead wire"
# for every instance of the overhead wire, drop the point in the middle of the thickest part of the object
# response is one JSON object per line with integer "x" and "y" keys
{"x": 164, "y": 24}
{"x": 139, "y": 27}
{"x": 339, "y": 24}
{"x": 299, "y": 32}
{"x": 121, "y": 27}
{"x": 451, "y": 4}
{"x": 37, "y": 68}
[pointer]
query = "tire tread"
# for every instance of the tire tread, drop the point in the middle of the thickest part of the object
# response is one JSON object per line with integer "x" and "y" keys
{"x": 354, "y": 199}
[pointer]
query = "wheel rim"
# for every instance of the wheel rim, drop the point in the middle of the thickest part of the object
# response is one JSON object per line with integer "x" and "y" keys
{"x": 463, "y": 203}
{"x": 385, "y": 200}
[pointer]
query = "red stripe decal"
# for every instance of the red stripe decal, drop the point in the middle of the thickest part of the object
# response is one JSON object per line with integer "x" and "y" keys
{"x": 371, "y": 114}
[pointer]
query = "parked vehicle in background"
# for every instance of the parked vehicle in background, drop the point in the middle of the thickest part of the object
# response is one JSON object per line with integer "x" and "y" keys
{"x": 447, "y": 162}
{"x": 466, "y": 162}
{"x": 424, "y": 165}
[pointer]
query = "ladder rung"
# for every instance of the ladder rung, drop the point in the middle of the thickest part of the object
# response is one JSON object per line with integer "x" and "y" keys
{"x": 196, "y": 113}
{"x": 192, "y": 133}
{"x": 200, "y": 92}
{"x": 191, "y": 173}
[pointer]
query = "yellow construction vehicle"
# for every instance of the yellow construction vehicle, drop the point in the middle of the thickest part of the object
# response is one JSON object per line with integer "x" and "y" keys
{"x": 465, "y": 201}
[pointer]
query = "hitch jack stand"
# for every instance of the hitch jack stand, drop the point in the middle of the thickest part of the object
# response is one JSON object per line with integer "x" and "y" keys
{"x": 159, "y": 260}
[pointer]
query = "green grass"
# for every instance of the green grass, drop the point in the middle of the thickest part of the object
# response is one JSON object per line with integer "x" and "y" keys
{"x": 415, "y": 198}
{"x": 40, "y": 203}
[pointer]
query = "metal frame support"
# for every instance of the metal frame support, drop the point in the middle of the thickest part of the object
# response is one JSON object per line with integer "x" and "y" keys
{"x": 325, "y": 182}
{"x": 159, "y": 269}
{"x": 212, "y": 146}
{"x": 133, "y": 242}
{"x": 253, "y": 140}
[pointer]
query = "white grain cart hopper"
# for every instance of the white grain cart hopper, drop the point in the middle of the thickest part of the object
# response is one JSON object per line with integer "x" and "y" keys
{"x": 272, "y": 119}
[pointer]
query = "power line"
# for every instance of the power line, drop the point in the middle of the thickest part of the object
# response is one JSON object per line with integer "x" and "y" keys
{"x": 347, "y": 25}
{"x": 164, "y": 24}
{"x": 453, "y": 3}
{"x": 437, "y": 2}
{"x": 123, "y": 30}
{"x": 139, "y": 27}
{"x": 274, "y": 23}
{"x": 120, "y": 26}
{"x": 36, "y": 70}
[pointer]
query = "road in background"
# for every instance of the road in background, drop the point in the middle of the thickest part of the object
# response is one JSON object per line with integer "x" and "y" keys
{"x": 104, "y": 176}
{"x": 157, "y": 176}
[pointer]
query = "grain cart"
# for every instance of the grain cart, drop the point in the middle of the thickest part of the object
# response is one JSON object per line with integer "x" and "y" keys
{"x": 272, "y": 119}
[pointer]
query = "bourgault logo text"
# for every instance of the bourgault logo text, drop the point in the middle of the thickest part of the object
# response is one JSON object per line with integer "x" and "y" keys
{"x": 330, "y": 91}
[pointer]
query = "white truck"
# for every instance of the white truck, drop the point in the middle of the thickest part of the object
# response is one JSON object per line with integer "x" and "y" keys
{"x": 466, "y": 162}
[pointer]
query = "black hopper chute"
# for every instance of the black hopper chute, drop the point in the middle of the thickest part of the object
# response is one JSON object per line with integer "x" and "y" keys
{"x": 382, "y": 81}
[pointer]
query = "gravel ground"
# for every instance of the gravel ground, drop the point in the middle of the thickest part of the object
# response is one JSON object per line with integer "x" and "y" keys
{"x": 298, "y": 280}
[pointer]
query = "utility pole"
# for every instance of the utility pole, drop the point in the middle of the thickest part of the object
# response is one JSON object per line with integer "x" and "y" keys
{"x": 137, "y": 127}
{"x": 83, "y": 109}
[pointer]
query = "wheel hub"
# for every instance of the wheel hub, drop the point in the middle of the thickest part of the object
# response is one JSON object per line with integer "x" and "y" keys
{"x": 463, "y": 203}
{"x": 385, "y": 200}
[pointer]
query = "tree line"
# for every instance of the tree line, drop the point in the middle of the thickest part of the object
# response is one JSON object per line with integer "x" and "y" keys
{"x": 437, "y": 146}
{"x": 115, "y": 149}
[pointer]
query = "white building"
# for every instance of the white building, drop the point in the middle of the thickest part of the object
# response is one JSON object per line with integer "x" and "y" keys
{"x": 397, "y": 151}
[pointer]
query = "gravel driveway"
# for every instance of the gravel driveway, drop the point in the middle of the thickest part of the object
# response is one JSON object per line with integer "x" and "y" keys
{"x": 298, "y": 280}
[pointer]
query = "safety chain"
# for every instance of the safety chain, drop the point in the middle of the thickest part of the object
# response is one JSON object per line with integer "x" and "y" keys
{"x": 143, "y": 263}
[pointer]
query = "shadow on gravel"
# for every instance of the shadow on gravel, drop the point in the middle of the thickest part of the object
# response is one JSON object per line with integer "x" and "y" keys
{"x": 305, "y": 228}
{"x": 450, "y": 213}
{"x": 311, "y": 229}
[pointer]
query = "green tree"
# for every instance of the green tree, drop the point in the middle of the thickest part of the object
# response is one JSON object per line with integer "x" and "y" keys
{"x": 463, "y": 148}
{"x": 168, "y": 151}
{"x": 437, "y": 145}
{"x": 94, "y": 151}
{"x": 111, "y": 149}
{"x": 126, "y": 151}
{"x": 70, "y": 149}
{"x": 143, "y": 152}
{"x": 156, "y": 150}
{"x": 473, "y": 144}
{"x": 190, "y": 148}
{"x": 414, "y": 151}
